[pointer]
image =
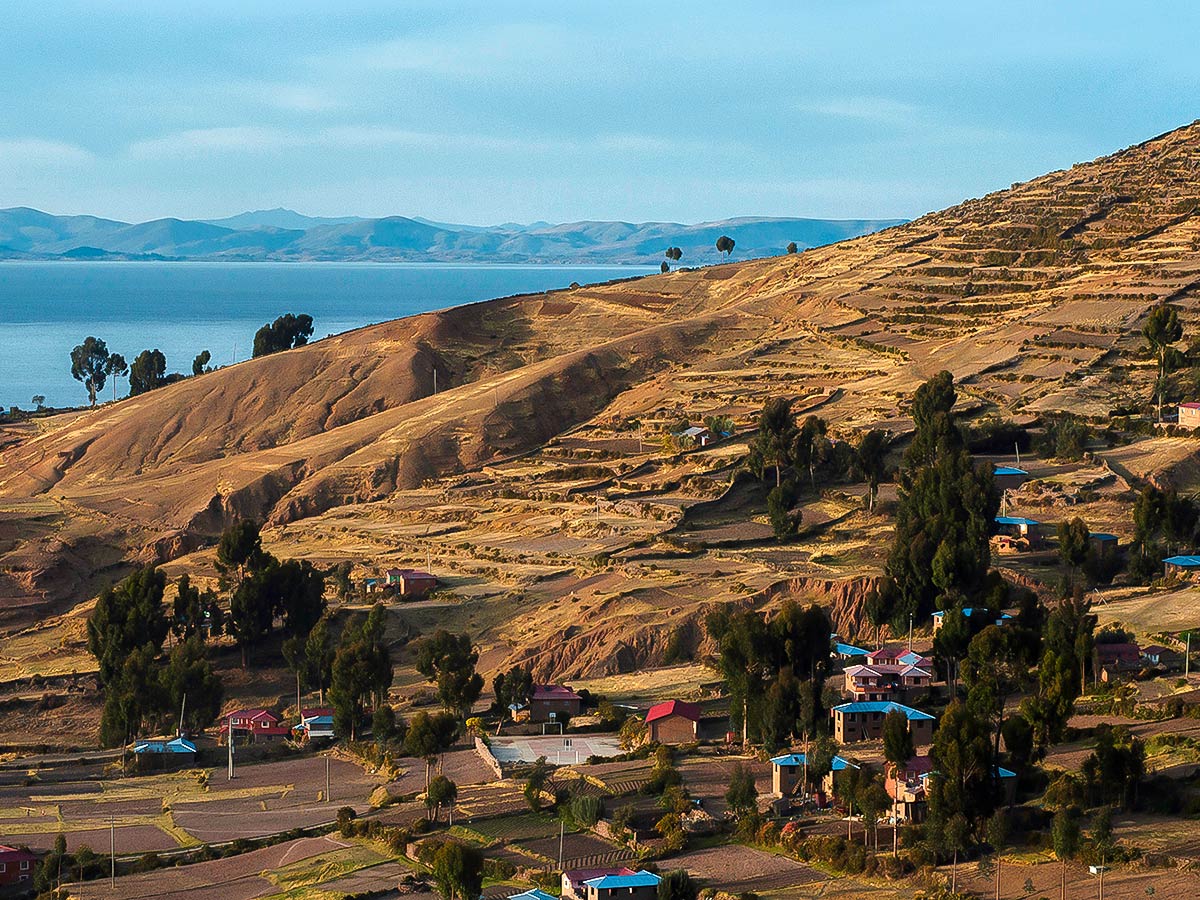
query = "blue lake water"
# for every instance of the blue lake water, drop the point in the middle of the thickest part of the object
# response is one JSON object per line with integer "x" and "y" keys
{"x": 182, "y": 308}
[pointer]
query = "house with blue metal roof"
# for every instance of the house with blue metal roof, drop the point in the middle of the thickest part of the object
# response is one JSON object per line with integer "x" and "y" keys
{"x": 1186, "y": 565}
{"x": 970, "y": 612}
{"x": 641, "y": 885}
{"x": 788, "y": 770}
{"x": 863, "y": 721}
{"x": 534, "y": 894}
{"x": 1007, "y": 478}
{"x": 179, "y": 753}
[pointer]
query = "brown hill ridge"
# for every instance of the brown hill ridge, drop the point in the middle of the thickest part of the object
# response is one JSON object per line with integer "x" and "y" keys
{"x": 1032, "y": 297}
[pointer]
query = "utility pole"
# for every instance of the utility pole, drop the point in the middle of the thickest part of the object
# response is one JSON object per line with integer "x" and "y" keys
{"x": 435, "y": 379}
{"x": 910, "y": 625}
{"x": 1187, "y": 657}
{"x": 112, "y": 853}
{"x": 561, "y": 830}
{"x": 326, "y": 778}
{"x": 1017, "y": 447}
{"x": 182, "y": 710}
{"x": 229, "y": 744}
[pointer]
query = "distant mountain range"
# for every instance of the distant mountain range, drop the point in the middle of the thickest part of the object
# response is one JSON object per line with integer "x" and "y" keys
{"x": 281, "y": 234}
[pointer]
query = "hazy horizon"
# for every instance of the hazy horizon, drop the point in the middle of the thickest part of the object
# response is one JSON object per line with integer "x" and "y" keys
{"x": 467, "y": 113}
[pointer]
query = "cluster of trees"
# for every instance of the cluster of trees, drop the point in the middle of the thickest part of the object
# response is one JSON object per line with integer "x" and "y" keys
{"x": 1162, "y": 520}
{"x": 143, "y": 687}
{"x": 775, "y": 670}
{"x": 940, "y": 554}
{"x": 93, "y": 364}
{"x": 786, "y": 446}
{"x": 672, "y": 253}
{"x": 1162, "y": 331}
{"x": 284, "y": 333}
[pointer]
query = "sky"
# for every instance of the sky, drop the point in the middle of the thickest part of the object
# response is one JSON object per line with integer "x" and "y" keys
{"x": 492, "y": 112}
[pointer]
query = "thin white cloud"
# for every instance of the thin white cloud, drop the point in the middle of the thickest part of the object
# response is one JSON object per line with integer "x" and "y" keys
{"x": 36, "y": 152}
{"x": 865, "y": 109}
{"x": 251, "y": 139}
{"x": 195, "y": 141}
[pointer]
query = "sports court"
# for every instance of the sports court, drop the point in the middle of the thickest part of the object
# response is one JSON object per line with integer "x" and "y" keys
{"x": 560, "y": 750}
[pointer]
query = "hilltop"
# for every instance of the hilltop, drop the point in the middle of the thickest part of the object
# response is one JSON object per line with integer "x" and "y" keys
{"x": 534, "y": 481}
{"x": 284, "y": 235}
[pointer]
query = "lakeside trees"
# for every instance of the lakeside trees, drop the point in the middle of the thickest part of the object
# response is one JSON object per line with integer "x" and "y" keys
{"x": 284, "y": 333}
{"x": 89, "y": 365}
{"x": 725, "y": 244}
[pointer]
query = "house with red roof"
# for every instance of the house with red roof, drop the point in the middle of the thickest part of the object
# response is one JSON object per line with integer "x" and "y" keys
{"x": 16, "y": 864}
{"x": 886, "y": 681}
{"x": 253, "y": 726}
{"x": 409, "y": 582}
{"x": 1115, "y": 660}
{"x": 673, "y": 722}
{"x": 553, "y": 702}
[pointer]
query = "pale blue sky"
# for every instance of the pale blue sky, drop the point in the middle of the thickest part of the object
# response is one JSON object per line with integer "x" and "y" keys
{"x": 487, "y": 112}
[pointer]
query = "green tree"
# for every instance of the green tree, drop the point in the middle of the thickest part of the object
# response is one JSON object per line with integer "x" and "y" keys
{"x": 791, "y": 247}
{"x": 742, "y": 793}
{"x": 429, "y": 736}
{"x": 898, "y": 749}
{"x": 965, "y": 782}
{"x": 240, "y": 551}
{"x": 1162, "y": 330}
{"x": 200, "y": 363}
{"x": 944, "y": 516}
{"x": 725, "y": 244}
{"x": 538, "y": 776}
{"x": 132, "y": 697}
{"x": 871, "y": 462}
{"x": 319, "y": 652}
{"x": 785, "y": 520}
{"x": 38, "y": 400}
{"x": 513, "y": 688}
{"x": 89, "y": 364}
{"x": 147, "y": 372}
{"x": 994, "y": 670}
{"x": 1064, "y": 835}
{"x": 807, "y": 444}
{"x": 284, "y": 333}
{"x": 776, "y": 433}
{"x": 116, "y": 368}
{"x": 458, "y": 871}
{"x": 441, "y": 792}
{"x": 449, "y": 661}
{"x": 191, "y": 686}
{"x": 384, "y": 727}
{"x": 252, "y": 611}
{"x": 1073, "y": 543}
{"x": 677, "y": 885}
{"x": 127, "y": 617}
{"x": 361, "y": 673}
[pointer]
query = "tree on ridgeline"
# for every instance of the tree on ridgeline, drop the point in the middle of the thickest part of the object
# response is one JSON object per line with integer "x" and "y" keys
{"x": 284, "y": 333}
{"x": 792, "y": 248}
{"x": 664, "y": 268}
{"x": 89, "y": 365}
{"x": 449, "y": 660}
{"x": 38, "y": 401}
{"x": 1162, "y": 331}
{"x": 200, "y": 363}
{"x": 148, "y": 371}
{"x": 116, "y": 368}
{"x": 725, "y": 244}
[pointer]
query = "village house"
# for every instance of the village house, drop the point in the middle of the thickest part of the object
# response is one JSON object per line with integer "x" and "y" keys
{"x": 641, "y": 885}
{"x": 179, "y": 753}
{"x": 1189, "y": 415}
{"x": 1018, "y": 527}
{"x": 1116, "y": 660}
{"x": 16, "y": 864}
{"x": 898, "y": 656}
{"x": 1183, "y": 566}
{"x": 254, "y": 725}
{"x": 673, "y": 722}
{"x": 847, "y": 654}
{"x": 909, "y": 787}
{"x": 574, "y": 881}
{"x": 970, "y": 612}
{"x": 1103, "y": 542}
{"x": 1007, "y": 478}
{"x": 1158, "y": 655}
{"x": 315, "y": 724}
{"x": 886, "y": 681}
{"x": 787, "y": 774}
{"x": 553, "y": 703}
{"x": 409, "y": 582}
{"x": 697, "y": 434}
{"x": 863, "y": 721}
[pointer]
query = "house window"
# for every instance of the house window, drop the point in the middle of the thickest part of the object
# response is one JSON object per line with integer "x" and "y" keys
{"x": 3, "y": 867}
{"x": 24, "y": 865}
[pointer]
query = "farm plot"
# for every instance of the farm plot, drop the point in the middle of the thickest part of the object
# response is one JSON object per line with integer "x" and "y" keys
{"x": 483, "y": 801}
{"x": 232, "y": 878}
{"x": 621, "y": 777}
{"x": 736, "y": 868}
{"x": 707, "y": 780}
{"x": 460, "y": 766}
{"x": 1119, "y": 884}
{"x": 579, "y": 851}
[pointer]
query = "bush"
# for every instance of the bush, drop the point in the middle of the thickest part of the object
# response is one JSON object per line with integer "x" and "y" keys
{"x": 345, "y": 819}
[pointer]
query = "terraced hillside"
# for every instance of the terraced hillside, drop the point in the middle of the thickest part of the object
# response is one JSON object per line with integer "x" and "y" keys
{"x": 535, "y": 481}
